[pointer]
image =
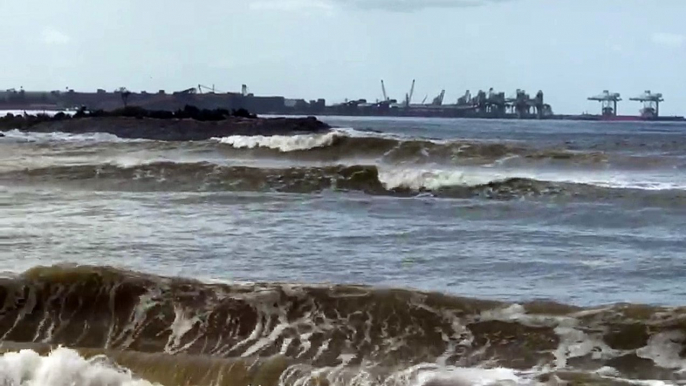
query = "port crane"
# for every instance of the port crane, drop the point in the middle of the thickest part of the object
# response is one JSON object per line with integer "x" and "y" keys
{"x": 211, "y": 90}
{"x": 465, "y": 100}
{"x": 408, "y": 97}
{"x": 608, "y": 102}
{"x": 191, "y": 90}
{"x": 383, "y": 91}
{"x": 438, "y": 101}
{"x": 651, "y": 104}
{"x": 245, "y": 91}
{"x": 387, "y": 101}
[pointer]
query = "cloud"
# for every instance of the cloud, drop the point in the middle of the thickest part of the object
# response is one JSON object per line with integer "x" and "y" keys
{"x": 669, "y": 39}
{"x": 52, "y": 36}
{"x": 414, "y": 5}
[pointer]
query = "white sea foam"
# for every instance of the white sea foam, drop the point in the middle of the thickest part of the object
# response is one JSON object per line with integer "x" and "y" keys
{"x": 430, "y": 374}
{"x": 62, "y": 367}
{"x": 66, "y": 367}
{"x": 664, "y": 349}
{"x": 419, "y": 179}
{"x": 35, "y": 112}
{"x": 457, "y": 376}
{"x": 21, "y": 136}
{"x": 300, "y": 142}
{"x": 283, "y": 143}
{"x": 432, "y": 179}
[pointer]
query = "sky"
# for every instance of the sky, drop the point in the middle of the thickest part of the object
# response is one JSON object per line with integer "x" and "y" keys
{"x": 338, "y": 49}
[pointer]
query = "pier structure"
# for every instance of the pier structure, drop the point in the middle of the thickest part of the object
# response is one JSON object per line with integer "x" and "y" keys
{"x": 522, "y": 104}
{"x": 608, "y": 101}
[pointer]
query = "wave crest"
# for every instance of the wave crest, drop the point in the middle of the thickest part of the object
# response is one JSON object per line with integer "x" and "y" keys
{"x": 333, "y": 326}
{"x": 52, "y": 137}
{"x": 283, "y": 143}
{"x": 206, "y": 176}
{"x": 62, "y": 366}
{"x": 368, "y": 179}
{"x": 351, "y": 144}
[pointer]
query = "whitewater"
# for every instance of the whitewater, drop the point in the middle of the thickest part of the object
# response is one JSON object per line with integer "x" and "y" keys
{"x": 408, "y": 252}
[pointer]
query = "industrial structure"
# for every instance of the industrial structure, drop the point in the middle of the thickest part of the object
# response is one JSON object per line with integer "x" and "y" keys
{"x": 484, "y": 104}
{"x": 608, "y": 102}
{"x": 651, "y": 104}
{"x": 650, "y": 111}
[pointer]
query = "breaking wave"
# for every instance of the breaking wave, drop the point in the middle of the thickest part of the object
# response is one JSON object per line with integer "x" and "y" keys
{"x": 62, "y": 367}
{"x": 177, "y": 331}
{"x": 347, "y": 145}
{"x": 52, "y": 137}
{"x": 352, "y": 144}
{"x": 284, "y": 143}
{"x": 369, "y": 179}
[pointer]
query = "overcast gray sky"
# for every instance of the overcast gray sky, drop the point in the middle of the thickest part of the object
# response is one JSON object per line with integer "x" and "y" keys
{"x": 340, "y": 49}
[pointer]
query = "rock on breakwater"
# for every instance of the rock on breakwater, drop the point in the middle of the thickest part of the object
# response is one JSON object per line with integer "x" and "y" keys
{"x": 185, "y": 125}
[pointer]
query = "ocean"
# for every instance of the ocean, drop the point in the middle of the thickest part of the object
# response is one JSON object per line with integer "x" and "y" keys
{"x": 408, "y": 252}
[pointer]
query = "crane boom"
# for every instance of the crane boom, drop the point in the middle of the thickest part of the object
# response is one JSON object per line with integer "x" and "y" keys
{"x": 383, "y": 90}
{"x": 438, "y": 101}
{"x": 408, "y": 97}
{"x": 211, "y": 90}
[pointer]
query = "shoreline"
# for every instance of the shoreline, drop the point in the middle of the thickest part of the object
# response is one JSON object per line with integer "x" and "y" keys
{"x": 289, "y": 114}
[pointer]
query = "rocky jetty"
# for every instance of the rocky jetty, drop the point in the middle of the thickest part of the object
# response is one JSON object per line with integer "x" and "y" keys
{"x": 189, "y": 124}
